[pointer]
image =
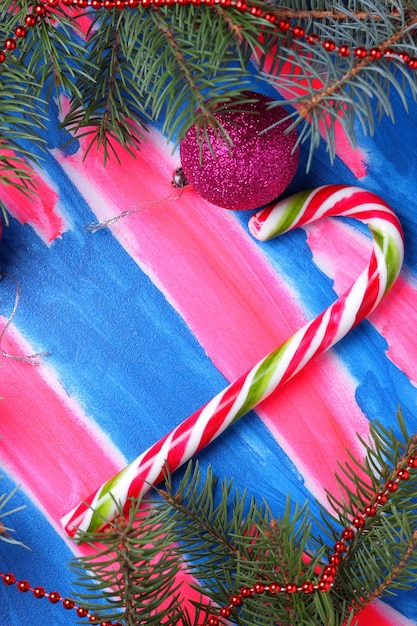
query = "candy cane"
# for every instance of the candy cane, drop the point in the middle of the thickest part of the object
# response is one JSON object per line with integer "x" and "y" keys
{"x": 279, "y": 366}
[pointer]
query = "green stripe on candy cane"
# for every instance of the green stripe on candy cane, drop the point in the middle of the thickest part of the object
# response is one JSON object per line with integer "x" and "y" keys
{"x": 262, "y": 378}
{"x": 293, "y": 208}
{"x": 391, "y": 253}
{"x": 198, "y": 430}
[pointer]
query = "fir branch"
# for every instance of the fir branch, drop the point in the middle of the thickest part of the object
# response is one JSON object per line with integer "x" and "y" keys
{"x": 107, "y": 108}
{"x": 182, "y": 63}
{"x": 5, "y": 530}
{"x": 229, "y": 542}
{"x": 131, "y": 575}
{"x": 203, "y": 68}
{"x": 54, "y": 53}
{"x": 307, "y": 106}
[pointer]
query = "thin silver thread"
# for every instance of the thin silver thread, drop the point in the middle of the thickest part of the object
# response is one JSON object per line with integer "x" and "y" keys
{"x": 30, "y": 358}
{"x": 178, "y": 181}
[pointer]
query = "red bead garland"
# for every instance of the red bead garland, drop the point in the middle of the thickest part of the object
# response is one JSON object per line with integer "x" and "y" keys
{"x": 283, "y": 25}
{"x": 54, "y": 598}
{"x": 329, "y": 571}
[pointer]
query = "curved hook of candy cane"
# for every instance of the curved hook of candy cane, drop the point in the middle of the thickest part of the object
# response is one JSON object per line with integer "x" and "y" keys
{"x": 281, "y": 364}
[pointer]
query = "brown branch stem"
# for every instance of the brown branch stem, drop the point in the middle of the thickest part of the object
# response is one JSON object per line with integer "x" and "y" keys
{"x": 378, "y": 592}
{"x": 182, "y": 63}
{"x": 302, "y": 14}
{"x": 308, "y": 105}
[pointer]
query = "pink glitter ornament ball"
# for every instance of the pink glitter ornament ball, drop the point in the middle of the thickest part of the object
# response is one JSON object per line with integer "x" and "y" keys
{"x": 252, "y": 172}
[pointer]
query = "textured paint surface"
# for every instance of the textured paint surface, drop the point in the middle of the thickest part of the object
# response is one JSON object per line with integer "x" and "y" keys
{"x": 146, "y": 321}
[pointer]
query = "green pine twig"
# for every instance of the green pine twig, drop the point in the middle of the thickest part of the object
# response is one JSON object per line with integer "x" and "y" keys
{"x": 228, "y": 541}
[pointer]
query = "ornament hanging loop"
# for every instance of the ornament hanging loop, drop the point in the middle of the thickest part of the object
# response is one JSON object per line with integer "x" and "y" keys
{"x": 30, "y": 358}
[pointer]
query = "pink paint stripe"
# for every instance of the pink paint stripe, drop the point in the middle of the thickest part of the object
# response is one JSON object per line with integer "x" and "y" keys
{"x": 381, "y": 614}
{"x": 39, "y": 210}
{"x": 47, "y": 443}
{"x": 50, "y": 447}
{"x": 216, "y": 277}
{"x": 331, "y": 242}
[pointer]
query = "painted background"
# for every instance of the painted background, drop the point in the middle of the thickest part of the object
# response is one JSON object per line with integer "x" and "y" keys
{"x": 146, "y": 321}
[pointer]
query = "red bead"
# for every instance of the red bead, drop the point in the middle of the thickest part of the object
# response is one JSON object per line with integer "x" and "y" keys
{"x": 2, "y": 56}
{"x": 307, "y": 587}
{"x": 412, "y": 64}
{"x": 284, "y": 25}
{"x": 375, "y": 53}
{"x": 291, "y": 588}
{"x": 94, "y": 619}
{"x": 213, "y": 621}
{"x": 259, "y": 588}
{"x": 403, "y": 474}
{"x": 240, "y": 5}
{"x": 257, "y": 11}
{"x": 133, "y": 4}
{"x": 52, "y": 3}
{"x": 54, "y": 597}
{"x": 10, "y": 44}
{"x": 348, "y": 534}
{"x": 274, "y": 588}
{"x": 23, "y": 585}
{"x": 109, "y": 5}
{"x": 361, "y": 52}
{"x": 297, "y": 31}
{"x": 40, "y": 9}
{"x": 312, "y": 39}
{"x": 391, "y": 486}
{"x": 39, "y": 592}
{"x": 225, "y": 612}
{"x": 344, "y": 51}
{"x": 82, "y": 612}
{"x": 246, "y": 592}
{"x": 404, "y": 56}
{"x": 96, "y": 4}
{"x": 82, "y": 4}
{"x": 340, "y": 546}
{"x": 67, "y": 3}
{"x": 9, "y": 579}
{"x": 329, "y": 45}
{"x": 20, "y": 31}
{"x": 381, "y": 498}
{"x": 358, "y": 522}
{"x": 330, "y": 569}
{"x": 68, "y": 604}
{"x": 324, "y": 585}
{"x": 412, "y": 460}
{"x": 236, "y": 600}
{"x": 389, "y": 52}
{"x": 270, "y": 17}
{"x": 30, "y": 20}
{"x": 334, "y": 559}
{"x": 328, "y": 577}
{"x": 370, "y": 510}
